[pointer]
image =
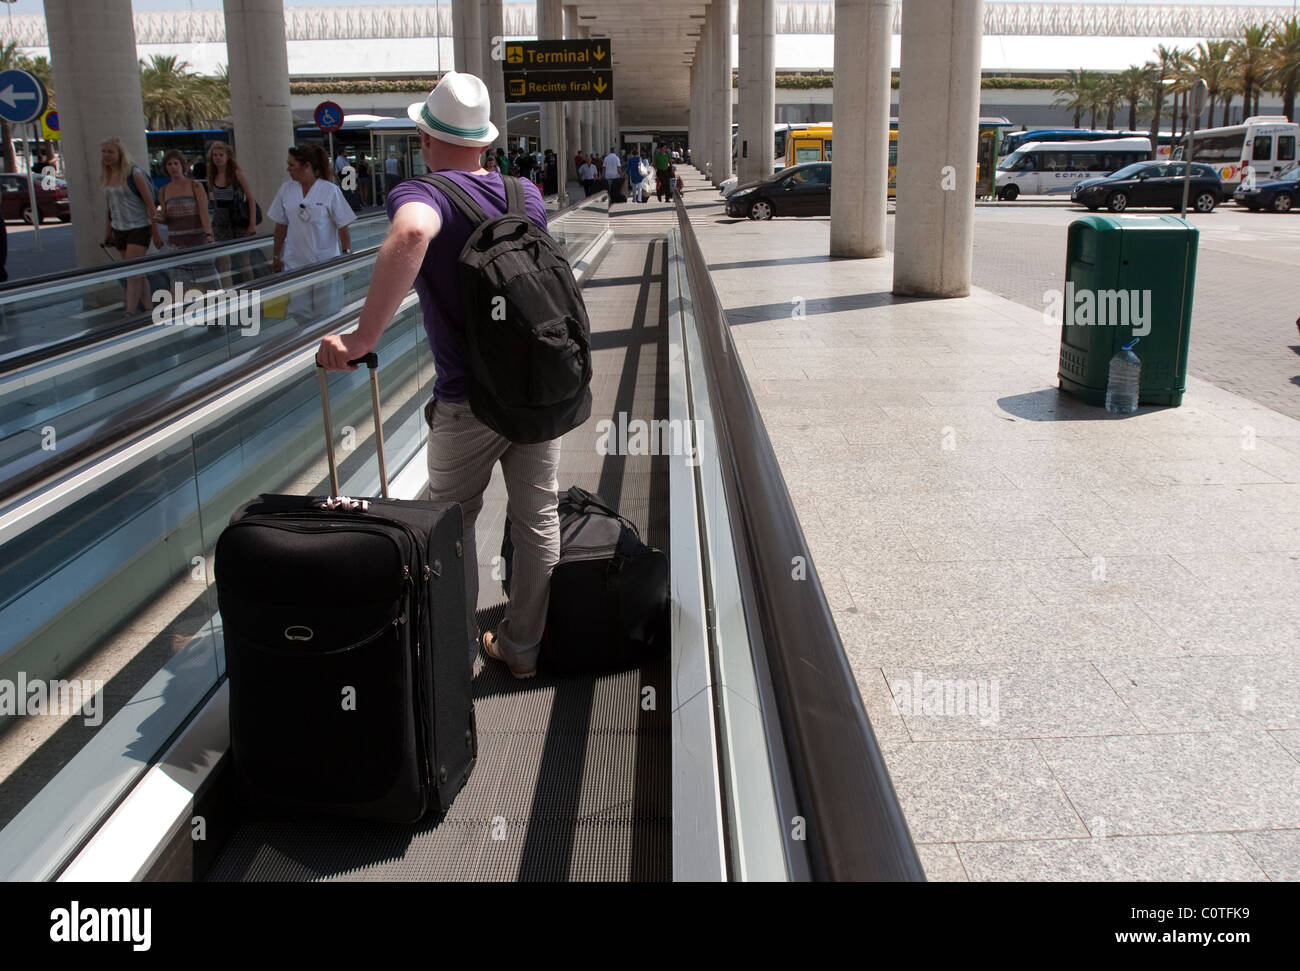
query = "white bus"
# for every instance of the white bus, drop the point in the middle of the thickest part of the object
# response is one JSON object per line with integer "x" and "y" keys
{"x": 1052, "y": 168}
{"x": 1265, "y": 143}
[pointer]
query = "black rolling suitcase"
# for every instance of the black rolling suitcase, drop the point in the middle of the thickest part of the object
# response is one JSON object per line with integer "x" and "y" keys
{"x": 347, "y": 651}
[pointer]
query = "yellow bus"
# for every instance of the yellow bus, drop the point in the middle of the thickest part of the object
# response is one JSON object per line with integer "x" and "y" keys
{"x": 814, "y": 144}
{"x": 811, "y": 144}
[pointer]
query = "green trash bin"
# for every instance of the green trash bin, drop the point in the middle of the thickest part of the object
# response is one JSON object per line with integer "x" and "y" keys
{"x": 1126, "y": 277}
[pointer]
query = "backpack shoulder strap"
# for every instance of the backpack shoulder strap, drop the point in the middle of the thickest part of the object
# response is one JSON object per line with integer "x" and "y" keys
{"x": 515, "y": 203}
{"x": 458, "y": 196}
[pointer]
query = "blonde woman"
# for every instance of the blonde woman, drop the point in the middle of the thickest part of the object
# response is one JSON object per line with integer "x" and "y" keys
{"x": 132, "y": 215}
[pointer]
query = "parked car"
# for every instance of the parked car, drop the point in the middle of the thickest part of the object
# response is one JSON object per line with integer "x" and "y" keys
{"x": 1151, "y": 184}
{"x": 800, "y": 190}
{"x": 1279, "y": 194}
{"x": 16, "y": 202}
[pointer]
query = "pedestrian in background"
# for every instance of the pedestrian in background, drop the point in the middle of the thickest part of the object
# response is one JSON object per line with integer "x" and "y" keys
{"x": 184, "y": 207}
{"x": 587, "y": 175}
{"x": 132, "y": 216}
{"x": 312, "y": 219}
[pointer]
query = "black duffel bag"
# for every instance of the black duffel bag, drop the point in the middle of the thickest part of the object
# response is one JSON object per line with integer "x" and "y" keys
{"x": 609, "y": 592}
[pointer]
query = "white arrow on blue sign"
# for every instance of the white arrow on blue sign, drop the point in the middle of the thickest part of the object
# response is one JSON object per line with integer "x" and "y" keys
{"x": 22, "y": 97}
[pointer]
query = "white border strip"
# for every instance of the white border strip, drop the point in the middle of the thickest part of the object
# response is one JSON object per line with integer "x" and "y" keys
{"x": 758, "y": 851}
{"x": 699, "y": 839}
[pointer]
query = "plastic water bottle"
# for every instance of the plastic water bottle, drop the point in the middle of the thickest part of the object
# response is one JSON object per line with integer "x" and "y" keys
{"x": 1122, "y": 384}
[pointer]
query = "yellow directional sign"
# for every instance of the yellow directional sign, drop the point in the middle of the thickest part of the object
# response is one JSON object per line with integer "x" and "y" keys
{"x": 559, "y": 86}
{"x": 557, "y": 55}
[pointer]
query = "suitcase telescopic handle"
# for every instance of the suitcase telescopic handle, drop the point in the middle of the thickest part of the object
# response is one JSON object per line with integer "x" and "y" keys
{"x": 371, "y": 361}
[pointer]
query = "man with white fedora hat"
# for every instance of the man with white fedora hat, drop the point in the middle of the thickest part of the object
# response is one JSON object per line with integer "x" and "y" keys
{"x": 422, "y": 249}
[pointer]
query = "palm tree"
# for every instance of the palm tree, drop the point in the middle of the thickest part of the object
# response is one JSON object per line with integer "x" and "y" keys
{"x": 1283, "y": 63}
{"x": 1249, "y": 55}
{"x": 1155, "y": 94}
{"x": 1210, "y": 61}
{"x": 1074, "y": 91}
{"x": 1130, "y": 86}
{"x": 1110, "y": 92}
{"x": 163, "y": 82}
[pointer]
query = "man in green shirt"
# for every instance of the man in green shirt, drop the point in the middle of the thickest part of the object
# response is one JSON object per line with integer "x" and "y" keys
{"x": 663, "y": 163}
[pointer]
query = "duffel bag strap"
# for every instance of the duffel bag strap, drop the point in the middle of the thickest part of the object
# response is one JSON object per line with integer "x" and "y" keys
{"x": 581, "y": 499}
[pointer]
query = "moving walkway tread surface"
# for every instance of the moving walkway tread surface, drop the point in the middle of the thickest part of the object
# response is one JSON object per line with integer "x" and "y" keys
{"x": 573, "y": 780}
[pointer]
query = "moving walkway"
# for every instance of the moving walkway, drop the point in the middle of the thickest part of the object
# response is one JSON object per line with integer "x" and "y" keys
{"x": 722, "y": 761}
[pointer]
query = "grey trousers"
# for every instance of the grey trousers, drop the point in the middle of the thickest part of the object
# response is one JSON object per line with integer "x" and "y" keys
{"x": 461, "y": 453}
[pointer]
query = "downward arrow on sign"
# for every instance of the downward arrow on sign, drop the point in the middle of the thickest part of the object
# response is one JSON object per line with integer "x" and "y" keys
{"x": 600, "y": 85}
{"x": 599, "y": 53}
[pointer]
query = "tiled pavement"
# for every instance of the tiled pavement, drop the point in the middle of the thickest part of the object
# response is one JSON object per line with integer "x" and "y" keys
{"x": 1076, "y": 635}
{"x": 1243, "y": 335}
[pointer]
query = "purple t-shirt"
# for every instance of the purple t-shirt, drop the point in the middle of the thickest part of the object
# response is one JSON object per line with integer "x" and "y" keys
{"x": 439, "y": 274}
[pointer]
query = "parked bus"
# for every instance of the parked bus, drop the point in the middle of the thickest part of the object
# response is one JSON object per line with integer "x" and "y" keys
{"x": 1052, "y": 168}
{"x": 1011, "y": 141}
{"x": 781, "y": 132}
{"x": 1264, "y": 143}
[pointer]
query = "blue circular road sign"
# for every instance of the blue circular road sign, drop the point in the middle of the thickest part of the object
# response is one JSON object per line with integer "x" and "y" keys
{"x": 329, "y": 116}
{"x": 22, "y": 97}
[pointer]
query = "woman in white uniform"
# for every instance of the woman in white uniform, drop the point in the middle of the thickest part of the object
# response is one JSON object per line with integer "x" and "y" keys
{"x": 311, "y": 226}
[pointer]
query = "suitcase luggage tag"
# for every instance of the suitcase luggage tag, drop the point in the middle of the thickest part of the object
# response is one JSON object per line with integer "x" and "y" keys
{"x": 337, "y": 501}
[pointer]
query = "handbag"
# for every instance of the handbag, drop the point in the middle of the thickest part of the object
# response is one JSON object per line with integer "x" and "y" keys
{"x": 239, "y": 209}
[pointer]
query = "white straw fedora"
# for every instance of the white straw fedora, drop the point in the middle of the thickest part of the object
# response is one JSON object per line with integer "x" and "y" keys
{"x": 457, "y": 111}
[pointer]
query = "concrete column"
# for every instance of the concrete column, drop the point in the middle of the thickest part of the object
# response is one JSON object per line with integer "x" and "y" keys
{"x": 97, "y": 77}
{"x": 705, "y": 78}
{"x": 586, "y": 113}
{"x": 572, "y": 109}
{"x": 466, "y": 36}
{"x": 493, "y": 25}
{"x": 940, "y": 78}
{"x": 860, "y": 189}
{"x": 757, "y": 88}
{"x": 694, "y": 108}
{"x": 550, "y": 26}
{"x": 721, "y": 120}
{"x": 259, "y": 93}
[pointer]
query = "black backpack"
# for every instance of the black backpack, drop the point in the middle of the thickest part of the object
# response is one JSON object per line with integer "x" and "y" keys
{"x": 609, "y": 592}
{"x": 527, "y": 340}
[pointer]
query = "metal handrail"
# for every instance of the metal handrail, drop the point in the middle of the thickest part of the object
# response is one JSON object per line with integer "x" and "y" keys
{"x": 838, "y": 783}
{"x": 80, "y": 446}
{"x": 162, "y": 260}
{"x": 273, "y": 283}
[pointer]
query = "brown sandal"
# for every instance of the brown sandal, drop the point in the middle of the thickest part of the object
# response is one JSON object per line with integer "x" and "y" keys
{"x": 489, "y": 642}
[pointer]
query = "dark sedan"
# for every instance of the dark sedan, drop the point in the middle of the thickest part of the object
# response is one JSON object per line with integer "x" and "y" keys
{"x": 800, "y": 190}
{"x": 15, "y": 200}
{"x": 1279, "y": 194}
{"x": 1151, "y": 184}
